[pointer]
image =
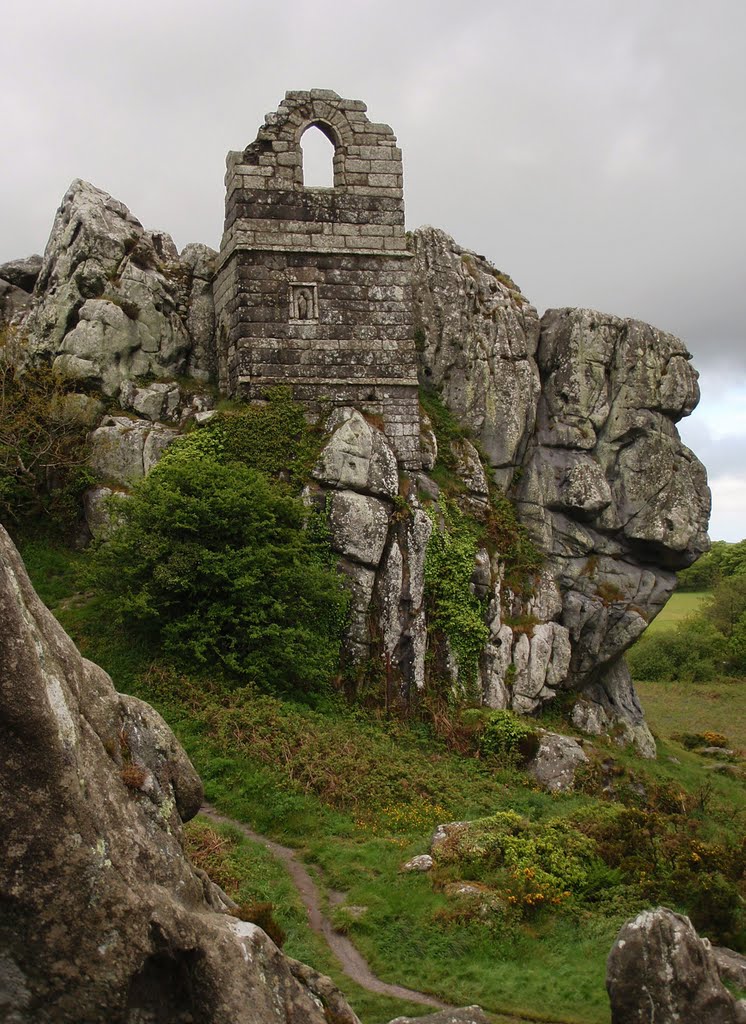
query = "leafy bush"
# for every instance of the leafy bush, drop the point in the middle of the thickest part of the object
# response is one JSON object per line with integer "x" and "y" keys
{"x": 531, "y": 864}
{"x": 727, "y": 605}
{"x": 214, "y": 562}
{"x": 508, "y": 737}
{"x": 692, "y": 740}
{"x": 273, "y": 437}
{"x": 695, "y": 651}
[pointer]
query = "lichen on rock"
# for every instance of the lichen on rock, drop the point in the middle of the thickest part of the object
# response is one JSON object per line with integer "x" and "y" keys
{"x": 104, "y": 918}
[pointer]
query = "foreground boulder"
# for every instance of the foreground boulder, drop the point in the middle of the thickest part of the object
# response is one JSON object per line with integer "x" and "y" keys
{"x": 659, "y": 970}
{"x": 102, "y": 917}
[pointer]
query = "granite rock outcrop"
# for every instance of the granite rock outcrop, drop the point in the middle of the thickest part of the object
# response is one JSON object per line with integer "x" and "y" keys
{"x": 659, "y": 969}
{"x": 584, "y": 440}
{"x": 114, "y": 302}
{"x": 103, "y": 916}
{"x": 571, "y": 416}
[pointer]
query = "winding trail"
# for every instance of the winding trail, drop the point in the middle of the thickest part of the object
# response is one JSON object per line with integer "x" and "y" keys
{"x": 353, "y": 964}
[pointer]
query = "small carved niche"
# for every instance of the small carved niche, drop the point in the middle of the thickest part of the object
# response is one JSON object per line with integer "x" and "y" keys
{"x": 304, "y": 302}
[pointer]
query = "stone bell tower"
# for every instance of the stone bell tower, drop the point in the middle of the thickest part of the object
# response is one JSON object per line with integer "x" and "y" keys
{"x": 314, "y": 286}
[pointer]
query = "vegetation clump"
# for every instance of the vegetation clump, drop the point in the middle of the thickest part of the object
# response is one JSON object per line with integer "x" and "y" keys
{"x": 508, "y": 737}
{"x": 272, "y": 437}
{"x": 454, "y": 611}
{"x": 704, "y": 646}
{"x": 43, "y": 445}
{"x": 216, "y": 564}
{"x": 530, "y": 864}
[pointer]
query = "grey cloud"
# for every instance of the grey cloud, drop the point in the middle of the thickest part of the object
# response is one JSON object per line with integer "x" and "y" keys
{"x": 594, "y": 150}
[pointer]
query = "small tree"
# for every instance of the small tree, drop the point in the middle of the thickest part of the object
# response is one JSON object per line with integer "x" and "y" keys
{"x": 727, "y": 604}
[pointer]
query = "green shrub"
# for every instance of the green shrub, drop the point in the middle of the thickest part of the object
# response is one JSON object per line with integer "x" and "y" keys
{"x": 715, "y": 907}
{"x": 508, "y": 737}
{"x": 722, "y": 561}
{"x": 214, "y": 562}
{"x": 695, "y": 651}
{"x": 727, "y": 605}
{"x": 531, "y": 864}
{"x": 273, "y": 437}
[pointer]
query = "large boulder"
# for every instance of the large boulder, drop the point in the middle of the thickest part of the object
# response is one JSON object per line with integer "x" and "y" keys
{"x": 124, "y": 450}
{"x": 611, "y": 494}
{"x": 103, "y": 918}
{"x": 465, "y": 1015}
{"x": 576, "y": 416}
{"x": 556, "y": 761}
{"x": 659, "y": 970}
{"x": 113, "y": 301}
{"x": 357, "y": 457}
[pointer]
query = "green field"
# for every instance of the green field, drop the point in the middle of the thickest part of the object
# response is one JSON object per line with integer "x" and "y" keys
{"x": 679, "y": 707}
{"x": 678, "y": 607}
{"x": 696, "y": 707}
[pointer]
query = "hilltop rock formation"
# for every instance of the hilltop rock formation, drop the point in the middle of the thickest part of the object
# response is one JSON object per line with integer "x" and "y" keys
{"x": 576, "y": 414}
{"x": 571, "y": 415}
{"x": 659, "y": 969}
{"x": 113, "y": 302}
{"x": 103, "y": 918}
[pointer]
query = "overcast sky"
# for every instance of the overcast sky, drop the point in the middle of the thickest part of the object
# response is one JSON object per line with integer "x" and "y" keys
{"x": 593, "y": 149}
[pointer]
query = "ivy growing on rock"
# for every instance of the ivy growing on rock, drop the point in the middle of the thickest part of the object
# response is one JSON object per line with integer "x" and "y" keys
{"x": 454, "y": 612}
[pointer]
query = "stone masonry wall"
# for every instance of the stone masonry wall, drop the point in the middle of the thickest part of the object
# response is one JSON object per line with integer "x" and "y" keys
{"x": 314, "y": 285}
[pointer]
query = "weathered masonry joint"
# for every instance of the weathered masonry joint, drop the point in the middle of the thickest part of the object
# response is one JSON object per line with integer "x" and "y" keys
{"x": 314, "y": 285}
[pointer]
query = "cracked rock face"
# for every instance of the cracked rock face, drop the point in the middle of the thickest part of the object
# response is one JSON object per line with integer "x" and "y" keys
{"x": 612, "y": 495}
{"x": 476, "y": 337}
{"x": 103, "y": 917}
{"x": 113, "y": 301}
{"x": 660, "y": 970}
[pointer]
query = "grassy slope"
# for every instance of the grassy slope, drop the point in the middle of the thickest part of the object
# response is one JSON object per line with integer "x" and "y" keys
{"x": 550, "y": 968}
{"x": 679, "y": 606}
{"x": 719, "y": 706}
{"x": 693, "y": 707}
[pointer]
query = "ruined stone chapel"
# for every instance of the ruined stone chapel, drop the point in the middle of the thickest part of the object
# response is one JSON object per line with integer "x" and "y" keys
{"x": 314, "y": 286}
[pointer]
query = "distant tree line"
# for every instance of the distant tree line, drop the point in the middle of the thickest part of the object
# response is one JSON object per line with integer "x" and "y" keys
{"x": 710, "y": 643}
{"x": 721, "y": 562}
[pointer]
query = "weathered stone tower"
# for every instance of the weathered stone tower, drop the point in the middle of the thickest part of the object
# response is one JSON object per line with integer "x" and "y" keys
{"x": 314, "y": 285}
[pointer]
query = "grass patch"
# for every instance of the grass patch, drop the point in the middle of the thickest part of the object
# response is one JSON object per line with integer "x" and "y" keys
{"x": 719, "y": 706}
{"x": 678, "y": 607}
